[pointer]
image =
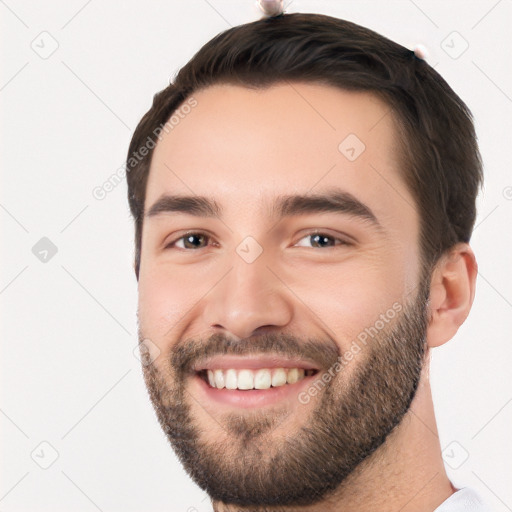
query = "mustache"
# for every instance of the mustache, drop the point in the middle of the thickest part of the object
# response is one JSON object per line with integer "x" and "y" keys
{"x": 186, "y": 353}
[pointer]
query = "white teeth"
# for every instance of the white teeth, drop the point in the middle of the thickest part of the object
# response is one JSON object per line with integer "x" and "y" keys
{"x": 279, "y": 377}
{"x": 245, "y": 379}
{"x": 262, "y": 378}
{"x": 219, "y": 379}
{"x": 231, "y": 379}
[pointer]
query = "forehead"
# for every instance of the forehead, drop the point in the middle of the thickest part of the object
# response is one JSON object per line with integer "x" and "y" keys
{"x": 245, "y": 146}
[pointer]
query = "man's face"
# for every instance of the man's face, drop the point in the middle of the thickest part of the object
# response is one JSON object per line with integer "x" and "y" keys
{"x": 268, "y": 292}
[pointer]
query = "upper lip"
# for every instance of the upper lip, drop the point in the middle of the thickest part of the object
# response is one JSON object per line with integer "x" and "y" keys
{"x": 253, "y": 362}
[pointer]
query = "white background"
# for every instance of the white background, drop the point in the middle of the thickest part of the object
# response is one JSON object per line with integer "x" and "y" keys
{"x": 69, "y": 377}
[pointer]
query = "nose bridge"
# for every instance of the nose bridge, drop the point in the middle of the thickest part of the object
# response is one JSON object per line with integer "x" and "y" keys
{"x": 249, "y": 297}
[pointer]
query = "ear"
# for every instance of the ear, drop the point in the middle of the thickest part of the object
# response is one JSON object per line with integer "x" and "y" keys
{"x": 452, "y": 291}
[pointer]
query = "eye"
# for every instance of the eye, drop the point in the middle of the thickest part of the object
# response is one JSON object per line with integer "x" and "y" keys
{"x": 191, "y": 240}
{"x": 196, "y": 240}
{"x": 319, "y": 239}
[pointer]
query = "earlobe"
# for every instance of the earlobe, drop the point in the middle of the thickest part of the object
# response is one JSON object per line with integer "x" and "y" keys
{"x": 452, "y": 292}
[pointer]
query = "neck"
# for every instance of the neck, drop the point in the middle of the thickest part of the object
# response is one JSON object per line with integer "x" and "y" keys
{"x": 406, "y": 473}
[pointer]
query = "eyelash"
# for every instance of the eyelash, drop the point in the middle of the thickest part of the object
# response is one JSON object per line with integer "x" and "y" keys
{"x": 343, "y": 242}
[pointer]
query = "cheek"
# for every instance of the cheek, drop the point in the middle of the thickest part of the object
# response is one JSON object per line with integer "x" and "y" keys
{"x": 164, "y": 299}
{"x": 360, "y": 294}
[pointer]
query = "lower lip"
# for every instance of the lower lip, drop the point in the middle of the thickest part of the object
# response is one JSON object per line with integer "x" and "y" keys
{"x": 252, "y": 397}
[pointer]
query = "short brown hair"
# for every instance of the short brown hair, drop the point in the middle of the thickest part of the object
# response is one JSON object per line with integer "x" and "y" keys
{"x": 440, "y": 160}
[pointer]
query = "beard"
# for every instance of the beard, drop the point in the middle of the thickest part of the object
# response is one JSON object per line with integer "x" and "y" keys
{"x": 261, "y": 460}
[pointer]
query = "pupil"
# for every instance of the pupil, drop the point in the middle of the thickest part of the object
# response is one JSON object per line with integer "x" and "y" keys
{"x": 320, "y": 239}
{"x": 191, "y": 237}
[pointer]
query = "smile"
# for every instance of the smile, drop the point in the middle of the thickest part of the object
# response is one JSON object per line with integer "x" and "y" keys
{"x": 252, "y": 380}
{"x": 247, "y": 379}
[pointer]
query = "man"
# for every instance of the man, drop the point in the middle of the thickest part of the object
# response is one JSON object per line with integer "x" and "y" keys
{"x": 304, "y": 196}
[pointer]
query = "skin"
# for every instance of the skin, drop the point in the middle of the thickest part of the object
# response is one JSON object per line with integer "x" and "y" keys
{"x": 243, "y": 147}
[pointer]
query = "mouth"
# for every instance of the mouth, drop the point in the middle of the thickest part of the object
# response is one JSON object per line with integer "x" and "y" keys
{"x": 246, "y": 382}
{"x": 248, "y": 379}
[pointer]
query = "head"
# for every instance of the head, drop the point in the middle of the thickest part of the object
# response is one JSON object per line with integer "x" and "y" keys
{"x": 278, "y": 137}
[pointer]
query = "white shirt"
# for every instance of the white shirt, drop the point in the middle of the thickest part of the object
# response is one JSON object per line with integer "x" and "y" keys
{"x": 464, "y": 500}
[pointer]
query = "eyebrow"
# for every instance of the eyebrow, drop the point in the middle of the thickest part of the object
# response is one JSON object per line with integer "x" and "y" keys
{"x": 331, "y": 201}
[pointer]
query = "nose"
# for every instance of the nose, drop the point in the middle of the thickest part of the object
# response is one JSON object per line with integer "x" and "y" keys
{"x": 249, "y": 300}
